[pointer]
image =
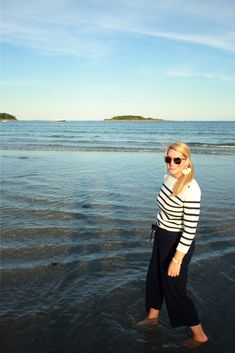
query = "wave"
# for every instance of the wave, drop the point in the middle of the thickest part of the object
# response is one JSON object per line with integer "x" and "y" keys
{"x": 212, "y": 145}
{"x": 197, "y": 148}
{"x": 66, "y": 254}
{"x": 29, "y": 248}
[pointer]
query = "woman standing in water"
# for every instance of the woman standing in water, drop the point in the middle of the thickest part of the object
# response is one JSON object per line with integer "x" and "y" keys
{"x": 179, "y": 204}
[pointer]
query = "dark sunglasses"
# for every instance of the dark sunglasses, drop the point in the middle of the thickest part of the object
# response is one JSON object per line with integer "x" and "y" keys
{"x": 176, "y": 160}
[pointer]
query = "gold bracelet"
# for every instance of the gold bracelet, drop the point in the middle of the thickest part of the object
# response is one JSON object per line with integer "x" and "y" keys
{"x": 176, "y": 261}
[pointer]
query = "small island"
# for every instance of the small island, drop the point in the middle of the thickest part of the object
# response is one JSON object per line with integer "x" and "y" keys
{"x": 7, "y": 117}
{"x": 132, "y": 118}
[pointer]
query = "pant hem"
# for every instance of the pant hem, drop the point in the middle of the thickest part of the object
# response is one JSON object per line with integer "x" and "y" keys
{"x": 185, "y": 324}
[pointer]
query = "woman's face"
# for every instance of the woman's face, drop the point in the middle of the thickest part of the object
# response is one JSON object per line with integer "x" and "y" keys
{"x": 176, "y": 169}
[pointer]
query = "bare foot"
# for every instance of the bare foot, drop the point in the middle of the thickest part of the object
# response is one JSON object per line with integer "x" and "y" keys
{"x": 147, "y": 322}
{"x": 191, "y": 343}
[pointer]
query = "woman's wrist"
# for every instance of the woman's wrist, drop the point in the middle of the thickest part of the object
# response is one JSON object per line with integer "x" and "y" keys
{"x": 176, "y": 261}
{"x": 178, "y": 256}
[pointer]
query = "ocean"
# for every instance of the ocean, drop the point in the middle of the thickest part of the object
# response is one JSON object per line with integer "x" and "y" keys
{"x": 77, "y": 203}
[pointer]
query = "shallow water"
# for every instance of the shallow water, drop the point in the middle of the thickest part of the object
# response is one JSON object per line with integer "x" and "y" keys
{"x": 75, "y": 251}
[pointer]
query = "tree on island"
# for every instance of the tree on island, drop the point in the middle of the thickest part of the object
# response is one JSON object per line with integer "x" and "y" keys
{"x": 132, "y": 118}
{"x": 7, "y": 117}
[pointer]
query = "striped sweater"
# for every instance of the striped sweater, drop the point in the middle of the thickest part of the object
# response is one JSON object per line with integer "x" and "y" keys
{"x": 179, "y": 213}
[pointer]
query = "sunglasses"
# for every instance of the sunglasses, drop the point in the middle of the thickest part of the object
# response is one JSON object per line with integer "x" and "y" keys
{"x": 176, "y": 160}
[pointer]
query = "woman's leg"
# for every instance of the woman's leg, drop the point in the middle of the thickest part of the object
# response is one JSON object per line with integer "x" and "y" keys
{"x": 153, "y": 290}
{"x": 198, "y": 333}
{"x": 153, "y": 313}
{"x": 181, "y": 309}
{"x": 199, "y": 337}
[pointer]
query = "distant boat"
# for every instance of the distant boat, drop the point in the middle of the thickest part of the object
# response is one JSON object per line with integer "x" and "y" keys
{"x": 57, "y": 120}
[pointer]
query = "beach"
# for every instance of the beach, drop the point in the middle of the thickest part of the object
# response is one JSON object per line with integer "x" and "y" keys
{"x": 78, "y": 201}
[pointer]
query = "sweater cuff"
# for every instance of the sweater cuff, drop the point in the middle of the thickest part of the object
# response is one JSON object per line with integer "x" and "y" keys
{"x": 182, "y": 248}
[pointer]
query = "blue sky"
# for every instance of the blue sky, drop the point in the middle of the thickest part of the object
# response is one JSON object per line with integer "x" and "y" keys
{"x": 93, "y": 59}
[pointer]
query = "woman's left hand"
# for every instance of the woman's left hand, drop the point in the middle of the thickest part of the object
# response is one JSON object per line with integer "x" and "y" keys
{"x": 174, "y": 269}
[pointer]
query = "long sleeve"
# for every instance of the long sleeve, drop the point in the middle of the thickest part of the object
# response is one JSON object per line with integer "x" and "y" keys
{"x": 191, "y": 212}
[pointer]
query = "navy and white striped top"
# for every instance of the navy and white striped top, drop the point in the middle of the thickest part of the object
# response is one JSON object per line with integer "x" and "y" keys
{"x": 181, "y": 212}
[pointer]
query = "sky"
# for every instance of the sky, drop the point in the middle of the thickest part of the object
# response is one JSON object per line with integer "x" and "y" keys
{"x": 94, "y": 59}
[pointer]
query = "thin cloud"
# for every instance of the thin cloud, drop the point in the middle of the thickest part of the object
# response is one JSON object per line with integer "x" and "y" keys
{"x": 224, "y": 42}
{"x": 207, "y": 75}
{"x": 88, "y": 28}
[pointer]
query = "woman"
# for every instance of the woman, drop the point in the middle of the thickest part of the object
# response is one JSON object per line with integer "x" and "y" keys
{"x": 179, "y": 208}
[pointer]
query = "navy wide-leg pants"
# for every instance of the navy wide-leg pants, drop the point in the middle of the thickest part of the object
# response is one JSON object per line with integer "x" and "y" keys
{"x": 160, "y": 286}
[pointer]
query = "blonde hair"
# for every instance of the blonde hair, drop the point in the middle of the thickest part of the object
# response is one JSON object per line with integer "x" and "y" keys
{"x": 184, "y": 179}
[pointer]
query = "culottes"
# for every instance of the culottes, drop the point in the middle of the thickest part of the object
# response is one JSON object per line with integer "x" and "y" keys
{"x": 160, "y": 286}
